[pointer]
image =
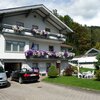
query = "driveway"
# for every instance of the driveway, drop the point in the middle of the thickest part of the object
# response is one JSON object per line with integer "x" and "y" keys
{"x": 44, "y": 91}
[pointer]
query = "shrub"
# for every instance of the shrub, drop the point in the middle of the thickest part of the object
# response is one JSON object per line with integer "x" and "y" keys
{"x": 68, "y": 71}
{"x": 75, "y": 70}
{"x": 53, "y": 72}
{"x": 98, "y": 75}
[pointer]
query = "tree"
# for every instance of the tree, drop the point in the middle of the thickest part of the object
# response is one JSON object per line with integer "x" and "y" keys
{"x": 97, "y": 64}
{"x": 97, "y": 46}
{"x": 80, "y": 38}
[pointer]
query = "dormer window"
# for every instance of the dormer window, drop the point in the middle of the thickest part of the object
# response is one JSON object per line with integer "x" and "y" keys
{"x": 35, "y": 27}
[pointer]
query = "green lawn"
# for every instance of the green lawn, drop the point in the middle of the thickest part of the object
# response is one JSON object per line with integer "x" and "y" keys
{"x": 74, "y": 81}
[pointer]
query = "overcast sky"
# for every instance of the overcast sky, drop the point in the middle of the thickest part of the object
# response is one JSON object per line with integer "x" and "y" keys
{"x": 81, "y": 11}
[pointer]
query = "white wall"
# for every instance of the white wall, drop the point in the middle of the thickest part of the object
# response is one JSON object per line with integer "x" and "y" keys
{"x": 91, "y": 66}
{"x": 45, "y": 45}
{"x": 12, "y": 55}
{"x": 2, "y": 45}
{"x": 21, "y": 55}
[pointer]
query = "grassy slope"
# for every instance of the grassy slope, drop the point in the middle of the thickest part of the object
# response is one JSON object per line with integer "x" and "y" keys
{"x": 74, "y": 81}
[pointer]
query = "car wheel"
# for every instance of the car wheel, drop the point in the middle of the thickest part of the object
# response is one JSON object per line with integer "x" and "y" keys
{"x": 20, "y": 80}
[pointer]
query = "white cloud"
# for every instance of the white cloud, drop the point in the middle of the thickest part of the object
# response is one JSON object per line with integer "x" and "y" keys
{"x": 85, "y": 11}
{"x": 82, "y": 11}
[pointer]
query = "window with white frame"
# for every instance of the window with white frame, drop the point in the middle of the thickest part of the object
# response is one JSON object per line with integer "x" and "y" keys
{"x": 21, "y": 46}
{"x": 14, "y": 46}
{"x": 35, "y": 46}
{"x": 8, "y": 45}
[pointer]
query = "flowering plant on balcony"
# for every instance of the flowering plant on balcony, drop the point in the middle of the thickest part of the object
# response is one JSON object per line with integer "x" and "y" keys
{"x": 47, "y": 54}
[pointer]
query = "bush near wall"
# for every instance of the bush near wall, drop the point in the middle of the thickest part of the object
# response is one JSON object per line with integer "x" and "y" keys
{"x": 68, "y": 71}
{"x": 98, "y": 75}
{"x": 53, "y": 72}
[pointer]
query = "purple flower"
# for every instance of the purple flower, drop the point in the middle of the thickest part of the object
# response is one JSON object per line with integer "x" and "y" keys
{"x": 29, "y": 53}
{"x": 65, "y": 54}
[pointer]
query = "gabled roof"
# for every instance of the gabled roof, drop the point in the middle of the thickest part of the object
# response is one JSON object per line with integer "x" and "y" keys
{"x": 42, "y": 11}
{"x": 92, "y": 49}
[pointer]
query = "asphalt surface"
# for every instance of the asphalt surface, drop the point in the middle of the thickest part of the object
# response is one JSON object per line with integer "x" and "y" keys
{"x": 44, "y": 91}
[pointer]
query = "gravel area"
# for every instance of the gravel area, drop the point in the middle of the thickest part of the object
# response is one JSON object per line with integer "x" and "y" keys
{"x": 44, "y": 91}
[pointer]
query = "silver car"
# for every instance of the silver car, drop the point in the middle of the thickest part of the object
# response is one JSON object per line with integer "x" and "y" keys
{"x": 3, "y": 77}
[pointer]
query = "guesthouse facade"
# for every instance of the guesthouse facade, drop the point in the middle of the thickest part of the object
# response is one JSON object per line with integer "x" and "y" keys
{"x": 31, "y": 36}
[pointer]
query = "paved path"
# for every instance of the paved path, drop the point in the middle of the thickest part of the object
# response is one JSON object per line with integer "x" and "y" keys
{"x": 44, "y": 91}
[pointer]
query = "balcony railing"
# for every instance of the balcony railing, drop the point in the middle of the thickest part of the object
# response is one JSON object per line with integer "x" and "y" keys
{"x": 19, "y": 30}
{"x": 48, "y": 54}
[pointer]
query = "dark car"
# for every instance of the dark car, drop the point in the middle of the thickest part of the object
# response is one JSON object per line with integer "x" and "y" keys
{"x": 25, "y": 75}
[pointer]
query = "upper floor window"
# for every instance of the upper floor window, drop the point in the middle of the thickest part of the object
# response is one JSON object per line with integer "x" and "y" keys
{"x": 35, "y": 46}
{"x": 35, "y": 27}
{"x": 14, "y": 46}
{"x": 51, "y": 48}
{"x": 20, "y": 24}
{"x": 47, "y": 30}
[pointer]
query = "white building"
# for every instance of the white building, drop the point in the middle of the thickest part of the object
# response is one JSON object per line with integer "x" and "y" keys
{"x": 31, "y": 36}
{"x": 87, "y": 60}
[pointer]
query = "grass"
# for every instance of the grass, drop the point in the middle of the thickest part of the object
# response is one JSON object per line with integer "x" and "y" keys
{"x": 76, "y": 82}
{"x": 85, "y": 69}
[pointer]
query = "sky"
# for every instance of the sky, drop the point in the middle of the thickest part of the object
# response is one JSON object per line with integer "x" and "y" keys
{"x": 85, "y": 12}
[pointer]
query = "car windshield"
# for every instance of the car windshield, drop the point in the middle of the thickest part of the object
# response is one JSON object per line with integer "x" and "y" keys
{"x": 1, "y": 70}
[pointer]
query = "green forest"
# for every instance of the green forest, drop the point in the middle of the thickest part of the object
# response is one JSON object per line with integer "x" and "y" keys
{"x": 83, "y": 38}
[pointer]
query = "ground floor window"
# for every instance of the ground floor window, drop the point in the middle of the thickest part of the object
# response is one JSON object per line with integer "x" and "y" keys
{"x": 35, "y": 65}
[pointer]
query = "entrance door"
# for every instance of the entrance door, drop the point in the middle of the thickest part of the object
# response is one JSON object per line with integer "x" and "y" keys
{"x": 58, "y": 67}
{"x": 9, "y": 67}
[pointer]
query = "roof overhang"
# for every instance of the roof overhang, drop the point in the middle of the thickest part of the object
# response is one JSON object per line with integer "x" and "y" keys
{"x": 42, "y": 11}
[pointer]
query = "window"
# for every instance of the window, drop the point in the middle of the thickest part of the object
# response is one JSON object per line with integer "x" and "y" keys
{"x": 34, "y": 27}
{"x": 51, "y": 48}
{"x": 8, "y": 45}
{"x": 14, "y": 46}
{"x": 35, "y": 46}
{"x": 21, "y": 46}
{"x": 20, "y": 24}
{"x": 47, "y": 30}
{"x": 35, "y": 65}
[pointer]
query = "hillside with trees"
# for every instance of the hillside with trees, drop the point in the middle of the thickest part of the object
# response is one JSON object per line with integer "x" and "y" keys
{"x": 83, "y": 38}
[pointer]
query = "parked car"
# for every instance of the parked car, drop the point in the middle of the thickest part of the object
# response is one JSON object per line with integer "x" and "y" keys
{"x": 24, "y": 75}
{"x": 3, "y": 77}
